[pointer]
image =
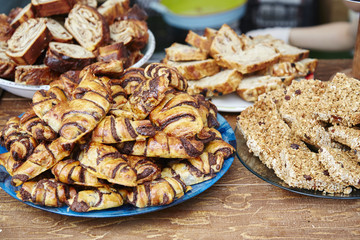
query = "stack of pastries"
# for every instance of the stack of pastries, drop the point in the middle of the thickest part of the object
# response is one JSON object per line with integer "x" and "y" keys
{"x": 49, "y": 37}
{"x": 94, "y": 141}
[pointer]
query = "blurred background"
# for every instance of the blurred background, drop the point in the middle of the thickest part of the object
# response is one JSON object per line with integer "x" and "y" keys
{"x": 168, "y": 25}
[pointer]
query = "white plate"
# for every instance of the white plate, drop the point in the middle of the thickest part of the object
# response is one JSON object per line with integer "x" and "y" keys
{"x": 230, "y": 103}
{"x": 28, "y": 91}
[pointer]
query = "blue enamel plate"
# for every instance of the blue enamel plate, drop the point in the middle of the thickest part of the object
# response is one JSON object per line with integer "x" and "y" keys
{"x": 129, "y": 210}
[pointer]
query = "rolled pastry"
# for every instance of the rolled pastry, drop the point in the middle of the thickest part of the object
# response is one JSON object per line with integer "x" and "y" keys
{"x": 46, "y": 8}
{"x": 35, "y": 74}
{"x": 62, "y": 57}
{"x": 88, "y": 27}
{"x": 112, "y": 9}
{"x": 58, "y": 32}
{"x": 28, "y": 41}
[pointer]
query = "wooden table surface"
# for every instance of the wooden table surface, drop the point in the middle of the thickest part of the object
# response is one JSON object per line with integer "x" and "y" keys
{"x": 238, "y": 206}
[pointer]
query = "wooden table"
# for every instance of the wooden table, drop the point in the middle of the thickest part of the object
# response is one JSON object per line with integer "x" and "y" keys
{"x": 238, "y": 206}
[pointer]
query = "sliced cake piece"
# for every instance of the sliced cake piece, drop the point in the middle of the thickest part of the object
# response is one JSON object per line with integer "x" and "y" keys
{"x": 250, "y": 60}
{"x": 111, "y": 9}
{"x": 26, "y": 13}
{"x": 180, "y": 52}
{"x": 195, "y": 70}
{"x": 251, "y": 87}
{"x": 222, "y": 83}
{"x": 7, "y": 65}
{"x": 28, "y": 41}
{"x": 226, "y": 42}
{"x": 343, "y": 166}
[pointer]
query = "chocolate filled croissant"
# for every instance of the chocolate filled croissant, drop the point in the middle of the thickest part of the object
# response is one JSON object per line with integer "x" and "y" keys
{"x": 161, "y": 191}
{"x": 147, "y": 96}
{"x": 88, "y": 27}
{"x": 130, "y": 79}
{"x": 36, "y": 127}
{"x": 176, "y": 80}
{"x": 112, "y": 68}
{"x": 91, "y": 102}
{"x": 44, "y": 157}
{"x": 96, "y": 199}
{"x": 118, "y": 95}
{"x": 28, "y": 41}
{"x": 202, "y": 168}
{"x": 208, "y": 111}
{"x": 163, "y": 146}
{"x": 69, "y": 81}
{"x": 178, "y": 115}
{"x": 19, "y": 143}
{"x": 118, "y": 129}
{"x": 43, "y": 101}
{"x": 106, "y": 162}
{"x": 9, "y": 163}
{"x": 71, "y": 172}
{"x": 46, "y": 192}
{"x": 146, "y": 169}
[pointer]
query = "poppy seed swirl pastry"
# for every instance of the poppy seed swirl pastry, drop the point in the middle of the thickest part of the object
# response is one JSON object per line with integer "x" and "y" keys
{"x": 62, "y": 57}
{"x": 88, "y": 27}
{"x": 28, "y": 41}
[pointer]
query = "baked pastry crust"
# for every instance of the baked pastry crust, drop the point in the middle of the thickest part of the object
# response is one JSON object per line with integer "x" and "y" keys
{"x": 35, "y": 75}
{"x": 28, "y": 41}
{"x": 88, "y": 27}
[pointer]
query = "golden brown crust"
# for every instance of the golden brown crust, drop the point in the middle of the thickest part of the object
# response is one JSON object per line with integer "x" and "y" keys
{"x": 35, "y": 75}
{"x": 28, "y": 41}
{"x": 22, "y": 15}
{"x": 46, "y": 8}
{"x": 106, "y": 162}
{"x": 97, "y": 30}
{"x": 112, "y": 9}
{"x": 58, "y": 32}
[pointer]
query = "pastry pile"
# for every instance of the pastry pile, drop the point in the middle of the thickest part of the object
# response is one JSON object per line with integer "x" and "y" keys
{"x": 221, "y": 62}
{"x": 308, "y": 134}
{"x": 95, "y": 142}
{"x": 50, "y": 37}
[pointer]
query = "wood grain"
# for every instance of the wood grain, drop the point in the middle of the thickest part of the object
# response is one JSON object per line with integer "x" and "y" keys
{"x": 238, "y": 206}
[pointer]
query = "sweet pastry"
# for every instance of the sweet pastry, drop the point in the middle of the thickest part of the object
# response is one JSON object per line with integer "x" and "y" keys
{"x": 177, "y": 115}
{"x": 131, "y": 32}
{"x": 130, "y": 79}
{"x": 174, "y": 77}
{"x": 35, "y": 75}
{"x": 112, "y": 9}
{"x": 226, "y": 42}
{"x": 106, "y": 162}
{"x": 146, "y": 168}
{"x": 28, "y": 41}
{"x": 46, "y": 192}
{"x": 162, "y": 191}
{"x": 70, "y": 171}
{"x": 44, "y": 157}
{"x": 62, "y": 57}
{"x": 116, "y": 51}
{"x": 87, "y": 26}
{"x": 46, "y": 8}
{"x": 96, "y": 199}
{"x": 22, "y": 16}
{"x": 118, "y": 129}
{"x": 164, "y": 146}
{"x": 58, "y": 32}
{"x": 7, "y": 65}
{"x": 201, "y": 42}
{"x": 37, "y": 128}
{"x": 5, "y": 29}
